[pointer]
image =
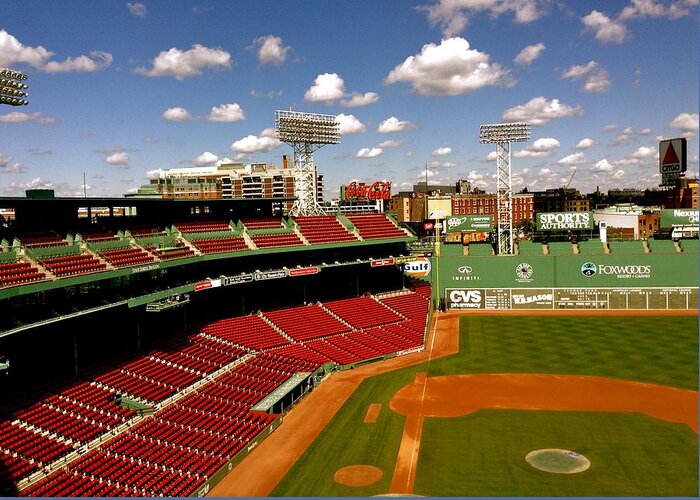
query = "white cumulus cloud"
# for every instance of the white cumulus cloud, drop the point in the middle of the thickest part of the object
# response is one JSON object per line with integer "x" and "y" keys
{"x": 205, "y": 159}
{"x": 271, "y": 50}
{"x": 451, "y": 68}
{"x": 597, "y": 78}
{"x": 687, "y": 123}
{"x": 454, "y": 15}
{"x": 605, "y": 29}
{"x": 12, "y": 51}
{"x": 369, "y": 152}
{"x": 541, "y": 148}
{"x": 602, "y": 166}
{"x": 357, "y": 99}
{"x": 573, "y": 159}
{"x": 176, "y": 114}
{"x": 327, "y": 88}
{"x": 266, "y": 141}
{"x": 585, "y": 143}
{"x": 645, "y": 152}
{"x": 120, "y": 158}
{"x": 393, "y": 124}
{"x": 181, "y": 64}
{"x": 526, "y": 56}
{"x": 349, "y": 124}
{"x": 444, "y": 151}
{"x": 539, "y": 111}
{"x": 226, "y": 113}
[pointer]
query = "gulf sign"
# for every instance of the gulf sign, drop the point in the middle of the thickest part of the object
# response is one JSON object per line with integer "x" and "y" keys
{"x": 420, "y": 267}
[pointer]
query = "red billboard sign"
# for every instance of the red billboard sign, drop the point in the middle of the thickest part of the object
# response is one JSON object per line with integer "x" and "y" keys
{"x": 382, "y": 262}
{"x": 304, "y": 271}
{"x": 380, "y": 190}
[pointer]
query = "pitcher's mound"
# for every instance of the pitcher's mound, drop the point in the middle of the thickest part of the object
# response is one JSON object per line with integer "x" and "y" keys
{"x": 558, "y": 461}
{"x": 358, "y": 475}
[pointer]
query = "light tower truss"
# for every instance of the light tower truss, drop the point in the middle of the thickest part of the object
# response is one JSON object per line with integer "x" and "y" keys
{"x": 503, "y": 134}
{"x": 12, "y": 90}
{"x": 306, "y": 132}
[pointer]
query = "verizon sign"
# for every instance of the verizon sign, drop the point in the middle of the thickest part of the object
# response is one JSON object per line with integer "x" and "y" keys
{"x": 672, "y": 156}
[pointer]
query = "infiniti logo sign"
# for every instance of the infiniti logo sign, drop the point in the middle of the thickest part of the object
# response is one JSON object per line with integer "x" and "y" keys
{"x": 464, "y": 270}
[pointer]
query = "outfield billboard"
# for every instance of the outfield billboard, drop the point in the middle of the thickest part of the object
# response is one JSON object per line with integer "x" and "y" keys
{"x": 470, "y": 223}
{"x": 679, "y": 217}
{"x": 562, "y": 221}
{"x": 537, "y": 276}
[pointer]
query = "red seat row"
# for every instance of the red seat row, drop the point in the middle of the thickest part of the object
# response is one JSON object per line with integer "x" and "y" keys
{"x": 362, "y": 312}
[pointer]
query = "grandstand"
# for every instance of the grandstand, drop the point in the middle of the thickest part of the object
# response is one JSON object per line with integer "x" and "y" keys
{"x": 195, "y": 399}
{"x": 171, "y": 342}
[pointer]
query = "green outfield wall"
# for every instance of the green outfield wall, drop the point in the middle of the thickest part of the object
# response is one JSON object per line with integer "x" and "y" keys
{"x": 643, "y": 281}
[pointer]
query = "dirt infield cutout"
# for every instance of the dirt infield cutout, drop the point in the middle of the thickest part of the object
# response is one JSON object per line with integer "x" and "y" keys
{"x": 558, "y": 461}
{"x": 372, "y": 413}
{"x": 358, "y": 475}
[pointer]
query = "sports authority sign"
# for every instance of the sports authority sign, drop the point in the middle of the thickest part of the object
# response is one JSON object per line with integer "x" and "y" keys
{"x": 554, "y": 221}
{"x": 672, "y": 156}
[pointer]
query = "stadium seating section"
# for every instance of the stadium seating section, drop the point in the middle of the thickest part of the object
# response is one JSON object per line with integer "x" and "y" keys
{"x": 51, "y": 256}
{"x": 77, "y": 441}
{"x": 323, "y": 229}
{"x": 688, "y": 245}
{"x": 373, "y": 226}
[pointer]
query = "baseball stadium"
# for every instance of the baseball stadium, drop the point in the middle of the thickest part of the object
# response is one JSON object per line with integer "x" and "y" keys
{"x": 219, "y": 348}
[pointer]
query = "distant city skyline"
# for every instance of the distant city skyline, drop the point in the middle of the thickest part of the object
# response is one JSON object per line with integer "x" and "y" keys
{"x": 122, "y": 90}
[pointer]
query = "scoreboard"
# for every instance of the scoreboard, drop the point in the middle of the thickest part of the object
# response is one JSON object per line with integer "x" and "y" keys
{"x": 571, "y": 298}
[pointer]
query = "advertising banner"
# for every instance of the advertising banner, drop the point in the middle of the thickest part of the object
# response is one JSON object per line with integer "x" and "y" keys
{"x": 679, "y": 217}
{"x": 558, "y": 221}
{"x": 473, "y": 223}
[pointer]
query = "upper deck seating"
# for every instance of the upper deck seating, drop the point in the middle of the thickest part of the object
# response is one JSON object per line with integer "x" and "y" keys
{"x": 266, "y": 223}
{"x": 276, "y": 240}
{"x": 375, "y": 226}
{"x": 73, "y": 265}
{"x": 126, "y": 257}
{"x": 323, "y": 229}
{"x": 217, "y": 245}
{"x": 202, "y": 227}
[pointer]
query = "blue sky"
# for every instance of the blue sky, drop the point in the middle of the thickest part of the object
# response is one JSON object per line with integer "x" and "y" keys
{"x": 119, "y": 89}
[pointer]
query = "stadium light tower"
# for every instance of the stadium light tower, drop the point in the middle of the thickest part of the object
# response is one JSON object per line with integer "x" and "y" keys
{"x": 11, "y": 87}
{"x": 502, "y": 134}
{"x": 306, "y": 132}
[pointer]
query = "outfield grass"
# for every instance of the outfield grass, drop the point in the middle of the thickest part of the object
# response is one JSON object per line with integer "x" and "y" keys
{"x": 634, "y": 450}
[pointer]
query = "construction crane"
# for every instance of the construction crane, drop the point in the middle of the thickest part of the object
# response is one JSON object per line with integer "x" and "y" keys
{"x": 570, "y": 179}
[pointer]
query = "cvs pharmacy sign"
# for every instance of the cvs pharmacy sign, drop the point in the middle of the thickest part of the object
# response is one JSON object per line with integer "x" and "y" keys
{"x": 460, "y": 298}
